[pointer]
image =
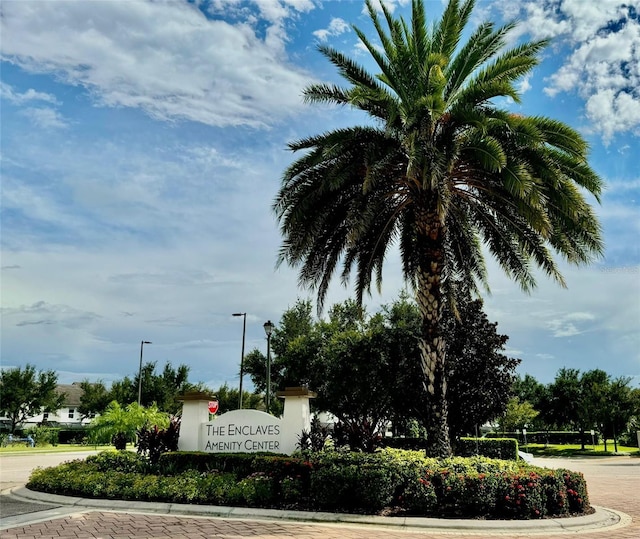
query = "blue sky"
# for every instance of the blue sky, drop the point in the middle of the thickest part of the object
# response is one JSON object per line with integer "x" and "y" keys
{"x": 143, "y": 142}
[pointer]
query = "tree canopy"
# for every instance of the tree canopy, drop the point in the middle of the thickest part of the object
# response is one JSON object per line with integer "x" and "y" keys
{"x": 366, "y": 372}
{"x": 26, "y": 393}
{"x": 162, "y": 389}
{"x": 443, "y": 171}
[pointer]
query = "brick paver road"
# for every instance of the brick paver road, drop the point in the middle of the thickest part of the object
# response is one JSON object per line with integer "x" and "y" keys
{"x": 613, "y": 483}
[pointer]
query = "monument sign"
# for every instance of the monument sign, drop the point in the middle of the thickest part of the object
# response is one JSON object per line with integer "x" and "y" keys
{"x": 244, "y": 431}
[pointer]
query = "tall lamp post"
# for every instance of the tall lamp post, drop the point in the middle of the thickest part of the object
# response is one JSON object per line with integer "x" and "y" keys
{"x": 142, "y": 343}
{"x": 268, "y": 328}
{"x": 244, "y": 331}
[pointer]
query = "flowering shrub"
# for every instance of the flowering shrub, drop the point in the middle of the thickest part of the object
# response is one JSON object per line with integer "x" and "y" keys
{"x": 257, "y": 490}
{"x": 390, "y": 480}
{"x": 291, "y": 489}
{"x": 418, "y": 496}
{"x": 521, "y": 496}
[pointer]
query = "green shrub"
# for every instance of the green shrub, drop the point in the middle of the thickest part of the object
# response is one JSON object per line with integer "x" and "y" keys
{"x": 292, "y": 490}
{"x": 44, "y": 435}
{"x": 67, "y": 478}
{"x": 355, "y": 482}
{"x": 120, "y": 461}
{"x": 521, "y": 496}
{"x": 76, "y": 435}
{"x": 348, "y": 487}
{"x": 241, "y": 464}
{"x": 576, "y": 486}
{"x": 550, "y": 437}
{"x": 495, "y": 448}
{"x": 417, "y": 494}
{"x": 257, "y": 490}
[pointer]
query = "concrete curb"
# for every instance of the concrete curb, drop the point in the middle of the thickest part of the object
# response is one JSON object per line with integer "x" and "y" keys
{"x": 601, "y": 519}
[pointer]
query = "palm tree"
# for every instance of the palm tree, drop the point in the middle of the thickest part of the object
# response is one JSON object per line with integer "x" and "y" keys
{"x": 443, "y": 172}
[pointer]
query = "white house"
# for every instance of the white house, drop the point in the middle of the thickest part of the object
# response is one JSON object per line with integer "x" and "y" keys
{"x": 67, "y": 416}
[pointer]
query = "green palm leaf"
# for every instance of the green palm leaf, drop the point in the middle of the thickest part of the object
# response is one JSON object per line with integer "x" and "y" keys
{"x": 445, "y": 174}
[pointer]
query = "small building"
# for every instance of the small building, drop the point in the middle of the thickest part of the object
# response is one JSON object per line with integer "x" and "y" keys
{"x": 67, "y": 416}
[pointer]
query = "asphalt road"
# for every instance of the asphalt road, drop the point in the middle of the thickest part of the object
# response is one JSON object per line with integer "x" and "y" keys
{"x": 15, "y": 471}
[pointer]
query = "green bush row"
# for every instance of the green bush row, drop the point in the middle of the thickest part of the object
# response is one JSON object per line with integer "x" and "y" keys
{"x": 550, "y": 437}
{"x": 495, "y": 448}
{"x": 47, "y": 435}
{"x": 406, "y": 481}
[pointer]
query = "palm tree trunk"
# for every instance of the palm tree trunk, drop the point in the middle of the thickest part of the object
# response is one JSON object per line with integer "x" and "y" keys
{"x": 432, "y": 345}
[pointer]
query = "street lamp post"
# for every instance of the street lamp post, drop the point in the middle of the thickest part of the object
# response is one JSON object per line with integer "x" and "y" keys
{"x": 244, "y": 330}
{"x": 142, "y": 343}
{"x": 268, "y": 328}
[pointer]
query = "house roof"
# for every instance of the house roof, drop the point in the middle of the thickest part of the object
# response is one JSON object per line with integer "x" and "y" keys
{"x": 72, "y": 392}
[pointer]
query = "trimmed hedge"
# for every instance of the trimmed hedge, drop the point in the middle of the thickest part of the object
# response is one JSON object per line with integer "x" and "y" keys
{"x": 394, "y": 481}
{"x": 550, "y": 437}
{"x": 495, "y": 448}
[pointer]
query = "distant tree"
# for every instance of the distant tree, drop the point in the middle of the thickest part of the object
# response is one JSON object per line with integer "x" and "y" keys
{"x": 162, "y": 389}
{"x": 25, "y": 393}
{"x": 228, "y": 399}
{"x": 255, "y": 365}
{"x": 517, "y": 415}
{"x": 592, "y": 400}
{"x": 594, "y": 411}
{"x": 621, "y": 407}
{"x": 125, "y": 391}
{"x": 566, "y": 399}
{"x": 94, "y": 399}
{"x": 165, "y": 388}
{"x": 633, "y": 424}
{"x": 530, "y": 390}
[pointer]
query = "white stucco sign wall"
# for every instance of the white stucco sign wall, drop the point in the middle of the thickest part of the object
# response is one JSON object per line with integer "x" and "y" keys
{"x": 242, "y": 431}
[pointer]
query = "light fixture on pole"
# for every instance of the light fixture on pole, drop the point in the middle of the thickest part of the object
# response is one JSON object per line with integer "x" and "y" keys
{"x": 142, "y": 343}
{"x": 268, "y": 328}
{"x": 244, "y": 330}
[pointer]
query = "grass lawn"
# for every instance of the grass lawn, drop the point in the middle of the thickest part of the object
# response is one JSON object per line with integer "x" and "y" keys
{"x": 21, "y": 448}
{"x": 575, "y": 450}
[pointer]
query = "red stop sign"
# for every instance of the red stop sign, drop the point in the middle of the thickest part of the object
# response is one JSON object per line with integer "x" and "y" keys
{"x": 213, "y": 407}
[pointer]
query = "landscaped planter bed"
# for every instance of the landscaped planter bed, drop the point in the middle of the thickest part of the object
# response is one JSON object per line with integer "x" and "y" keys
{"x": 387, "y": 482}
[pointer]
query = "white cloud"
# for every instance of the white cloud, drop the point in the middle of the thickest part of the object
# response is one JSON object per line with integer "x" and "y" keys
{"x": 524, "y": 85}
{"x": 18, "y": 98}
{"x": 391, "y": 5}
{"x": 336, "y": 27}
{"x": 163, "y": 57}
{"x": 45, "y": 117}
{"x": 603, "y": 65}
